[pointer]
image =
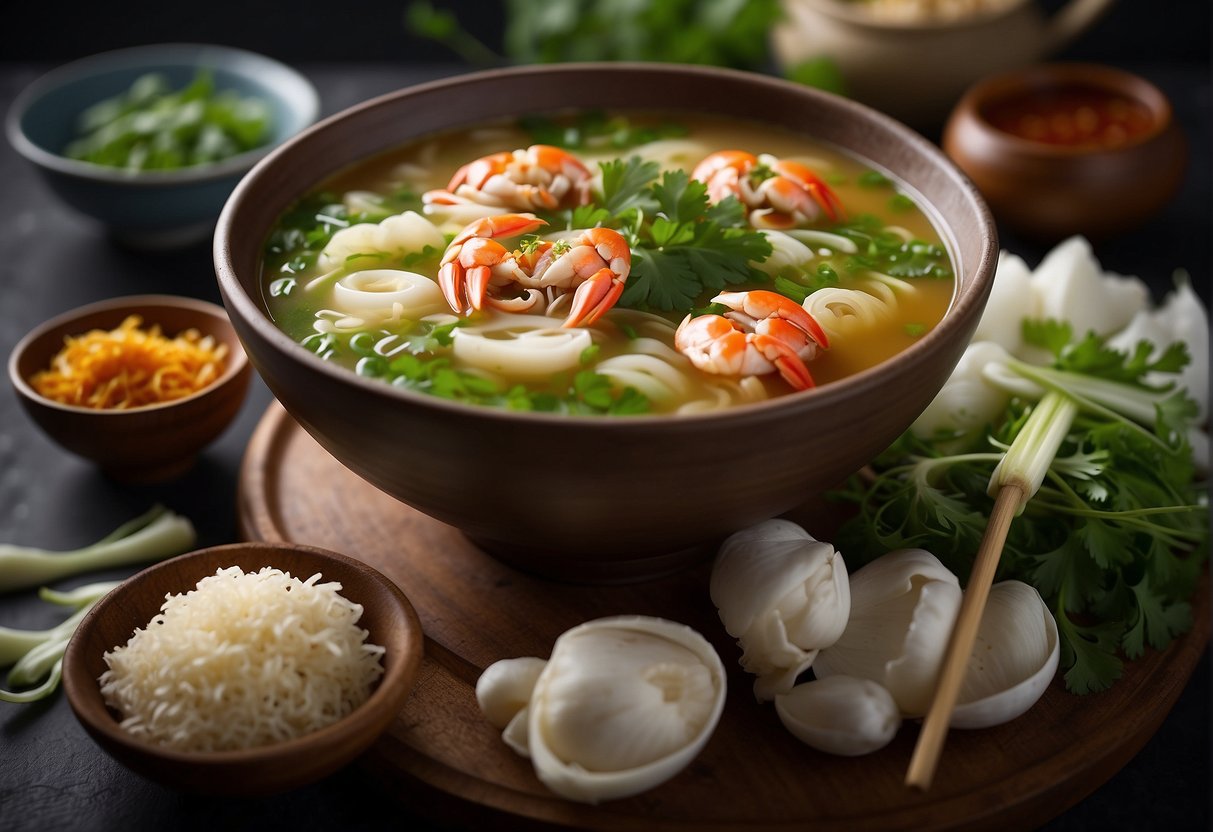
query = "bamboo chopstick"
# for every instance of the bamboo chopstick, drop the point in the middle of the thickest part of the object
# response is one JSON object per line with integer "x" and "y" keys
{"x": 935, "y": 725}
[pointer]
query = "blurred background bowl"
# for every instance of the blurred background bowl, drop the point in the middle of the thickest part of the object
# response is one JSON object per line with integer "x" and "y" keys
{"x": 387, "y": 616}
{"x": 913, "y": 60}
{"x": 155, "y": 443}
{"x": 1049, "y": 191}
{"x": 609, "y": 498}
{"x": 161, "y": 208}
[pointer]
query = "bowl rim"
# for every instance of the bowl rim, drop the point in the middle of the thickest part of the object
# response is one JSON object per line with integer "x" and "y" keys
{"x": 298, "y": 91}
{"x": 1058, "y": 75}
{"x": 249, "y": 312}
{"x": 237, "y": 363}
{"x": 396, "y": 682}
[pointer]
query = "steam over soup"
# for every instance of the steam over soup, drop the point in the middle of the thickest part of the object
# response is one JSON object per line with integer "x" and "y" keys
{"x": 608, "y": 265}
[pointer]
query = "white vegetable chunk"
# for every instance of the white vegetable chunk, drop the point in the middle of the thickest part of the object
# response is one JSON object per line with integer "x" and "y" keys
{"x": 504, "y": 688}
{"x": 1014, "y": 658}
{"x": 840, "y": 715}
{"x": 1069, "y": 286}
{"x": 622, "y": 705}
{"x": 1011, "y": 301}
{"x": 968, "y": 400}
{"x": 783, "y": 595}
{"x": 903, "y": 608}
{"x": 1183, "y": 318}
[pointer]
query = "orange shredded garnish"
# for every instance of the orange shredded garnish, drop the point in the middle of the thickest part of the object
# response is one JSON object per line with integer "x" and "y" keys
{"x": 130, "y": 367}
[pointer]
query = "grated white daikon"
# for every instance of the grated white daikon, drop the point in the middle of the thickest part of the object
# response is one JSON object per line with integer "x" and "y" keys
{"x": 243, "y": 660}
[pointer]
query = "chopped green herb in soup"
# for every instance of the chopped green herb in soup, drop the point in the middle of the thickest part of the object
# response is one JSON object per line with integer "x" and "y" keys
{"x": 608, "y": 265}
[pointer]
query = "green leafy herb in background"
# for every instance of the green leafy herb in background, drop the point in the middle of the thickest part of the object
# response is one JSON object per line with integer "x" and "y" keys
{"x": 153, "y": 127}
{"x": 729, "y": 33}
{"x": 718, "y": 32}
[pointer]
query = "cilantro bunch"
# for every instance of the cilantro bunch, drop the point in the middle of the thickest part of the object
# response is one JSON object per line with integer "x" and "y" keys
{"x": 684, "y": 248}
{"x": 1117, "y": 534}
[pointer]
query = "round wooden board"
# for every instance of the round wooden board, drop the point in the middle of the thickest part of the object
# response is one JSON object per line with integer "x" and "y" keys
{"x": 753, "y": 774}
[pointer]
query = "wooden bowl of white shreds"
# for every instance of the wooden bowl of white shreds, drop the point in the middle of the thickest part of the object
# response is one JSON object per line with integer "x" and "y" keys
{"x": 245, "y": 669}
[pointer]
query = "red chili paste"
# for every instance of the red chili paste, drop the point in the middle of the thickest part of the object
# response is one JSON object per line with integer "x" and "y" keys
{"x": 1076, "y": 116}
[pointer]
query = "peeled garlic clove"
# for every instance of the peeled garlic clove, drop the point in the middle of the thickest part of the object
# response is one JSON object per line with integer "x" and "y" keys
{"x": 1013, "y": 661}
{"x": 624, "y": 704}
{"x": 504, "y": 688}
{"x": 515, "y": 733}
{"x": 783, "y": 595}
{"x": 840, "y": 715}
{"x": 903, "y": 608}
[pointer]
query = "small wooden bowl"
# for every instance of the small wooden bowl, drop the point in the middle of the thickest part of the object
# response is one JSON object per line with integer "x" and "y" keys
{"x": 1051, "y": 191}
{"x": 148, "y": 444}
{"x": 387, "y": 616}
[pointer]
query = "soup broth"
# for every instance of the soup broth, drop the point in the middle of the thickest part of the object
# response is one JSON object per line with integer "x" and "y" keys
{"x": 379, "y": 269}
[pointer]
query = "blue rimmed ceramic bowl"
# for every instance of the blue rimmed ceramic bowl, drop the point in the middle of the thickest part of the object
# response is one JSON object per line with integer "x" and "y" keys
{"x": 151, "y": 209}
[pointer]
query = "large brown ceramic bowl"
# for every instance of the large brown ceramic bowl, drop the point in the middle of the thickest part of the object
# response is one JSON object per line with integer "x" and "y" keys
{"x": 601, "y": 499}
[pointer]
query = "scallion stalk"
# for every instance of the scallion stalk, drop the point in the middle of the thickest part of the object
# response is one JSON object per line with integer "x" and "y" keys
{"x": 1031, "y": 453}
{"x": 153, "y": 536}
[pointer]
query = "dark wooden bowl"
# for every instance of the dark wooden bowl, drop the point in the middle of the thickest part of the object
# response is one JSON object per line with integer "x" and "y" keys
{"x": 1049, "y": 191}
{"x": 387, "y": 616}
{"x": 145, "y": 444}
{"x": 605, "y": 499}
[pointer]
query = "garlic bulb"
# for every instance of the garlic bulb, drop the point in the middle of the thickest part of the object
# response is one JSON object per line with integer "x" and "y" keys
{"x": 1014, "y": 658}
{"x": 903, "y": 607}
{"x": 503, "y": 692}
{"x": 840, "y": 715}
{"x": 783, "y": 596}
{"x": 622, "y": 705}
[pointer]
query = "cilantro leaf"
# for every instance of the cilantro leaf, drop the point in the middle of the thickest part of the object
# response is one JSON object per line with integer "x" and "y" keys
{"x": 660, "y": 280}
{"x": 625, "y": 184}
{"x": 689, "y": 248}
{"x": 1090, "y": 654}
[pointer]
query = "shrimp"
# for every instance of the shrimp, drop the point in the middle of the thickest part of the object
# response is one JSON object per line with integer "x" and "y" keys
{"x": 762, "y": 333}
{"x": 476, "y": 269}
{"x": 777, "y": 193}
{"x": 541, "y": 177}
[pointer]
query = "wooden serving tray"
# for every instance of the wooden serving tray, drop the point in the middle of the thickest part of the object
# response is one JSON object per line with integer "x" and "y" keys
{"x": 753, "y": 775}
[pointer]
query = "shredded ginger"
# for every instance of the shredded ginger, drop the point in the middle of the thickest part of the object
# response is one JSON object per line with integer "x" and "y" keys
{"x": 130, "y": 367}
{"x": 243, "y": 660}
